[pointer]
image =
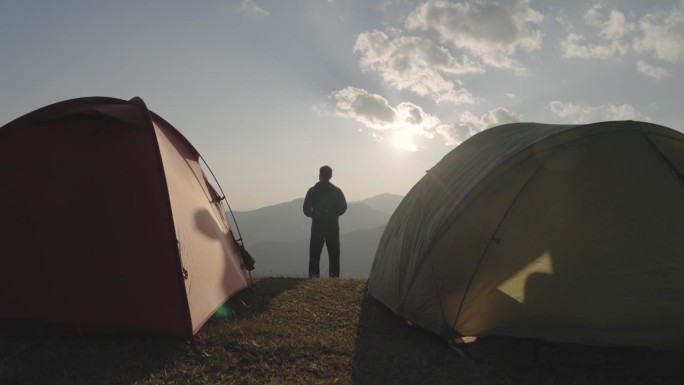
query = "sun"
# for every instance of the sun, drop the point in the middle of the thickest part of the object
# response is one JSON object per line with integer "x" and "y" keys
{"x": 404, "y": 141}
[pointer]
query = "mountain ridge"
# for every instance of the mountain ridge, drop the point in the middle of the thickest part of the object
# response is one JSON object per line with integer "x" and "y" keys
{"x": 286, "y": 221}
{"x": 281, "y": 229}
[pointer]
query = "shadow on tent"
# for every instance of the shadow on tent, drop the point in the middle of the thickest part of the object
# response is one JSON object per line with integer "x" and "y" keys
{"x": 389, "y": 350}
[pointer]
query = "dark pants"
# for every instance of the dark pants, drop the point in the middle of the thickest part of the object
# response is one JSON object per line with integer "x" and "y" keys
{"x": 331, "y": 238}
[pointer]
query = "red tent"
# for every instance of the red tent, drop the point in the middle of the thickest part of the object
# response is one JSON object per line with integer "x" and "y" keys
{"x": 107, "y": 220}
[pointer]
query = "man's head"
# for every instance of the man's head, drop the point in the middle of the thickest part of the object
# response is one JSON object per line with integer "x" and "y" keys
{"x": 324, "y": 173}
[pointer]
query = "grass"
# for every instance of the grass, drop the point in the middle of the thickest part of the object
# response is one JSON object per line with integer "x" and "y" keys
{"x": 323, "y": 331}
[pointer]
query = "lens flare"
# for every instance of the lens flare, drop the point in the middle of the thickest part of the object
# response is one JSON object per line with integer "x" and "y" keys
{"x": 223, "y": 313}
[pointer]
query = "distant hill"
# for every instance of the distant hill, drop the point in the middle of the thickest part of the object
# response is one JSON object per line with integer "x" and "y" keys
{"x": 278, "y": 236}
{"x": 280, "y": 222}
{"x": 291, "y": 258}
{"x": 386, "y": 203}
{"x": 286, "y": 221}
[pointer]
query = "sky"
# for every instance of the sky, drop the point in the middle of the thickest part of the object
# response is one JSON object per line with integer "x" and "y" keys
{"x": 270, "y": 90}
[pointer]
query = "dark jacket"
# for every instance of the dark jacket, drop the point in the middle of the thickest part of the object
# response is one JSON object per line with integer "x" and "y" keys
{"x": 324, "y": 203}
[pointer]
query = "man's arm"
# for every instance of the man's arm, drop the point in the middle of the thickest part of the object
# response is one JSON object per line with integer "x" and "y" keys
{"x": 307, "y": 204}
{"x": 342, "y": 202}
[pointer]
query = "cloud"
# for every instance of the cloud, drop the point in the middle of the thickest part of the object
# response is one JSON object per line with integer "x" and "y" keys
{"x": 415, "y": 64}
{"x": 659, "y": 34}
{"x": 371, "y": 110}
{"x": 490, "y": 31}
{"x": 656, "y": 73}
{"x": 405, "y": 122}
{"x": 485, "y": 32}
{"x": 662, "y": 34}
{"x": 469, "y": 125}
{"x": 612, "y": 34}
{"x": 574, "y": 46}
{"x": 412, "y": 118}
{"x": 252, "y": 7}
{"x": 581, "y": 113}
{"x": 614, "y": 27}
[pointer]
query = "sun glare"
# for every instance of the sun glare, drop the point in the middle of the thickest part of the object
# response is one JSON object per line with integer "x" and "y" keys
{"x": 404, "y": 141}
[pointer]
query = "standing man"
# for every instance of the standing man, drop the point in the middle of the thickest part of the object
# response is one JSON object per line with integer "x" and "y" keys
{"x": 324, "y": 203}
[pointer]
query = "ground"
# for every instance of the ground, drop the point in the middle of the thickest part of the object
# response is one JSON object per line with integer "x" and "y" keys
{"x": 321, "y": 331}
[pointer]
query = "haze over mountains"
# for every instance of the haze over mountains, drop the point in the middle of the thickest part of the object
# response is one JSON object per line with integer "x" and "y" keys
{"x": 278, "y": 236}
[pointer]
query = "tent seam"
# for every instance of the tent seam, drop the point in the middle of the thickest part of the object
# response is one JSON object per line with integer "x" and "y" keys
{"x": 486, "y": 250}
{"x": 664, "y": 159}
{"x": 175, "y": 240}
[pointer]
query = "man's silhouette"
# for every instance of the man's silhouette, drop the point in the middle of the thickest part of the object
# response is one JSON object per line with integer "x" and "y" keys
{"x": 324, "y": 203}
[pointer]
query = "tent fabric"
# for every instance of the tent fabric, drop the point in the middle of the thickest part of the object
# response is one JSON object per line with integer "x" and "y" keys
{"x": 109, "y": 222}
{"x": 571, "y": 233}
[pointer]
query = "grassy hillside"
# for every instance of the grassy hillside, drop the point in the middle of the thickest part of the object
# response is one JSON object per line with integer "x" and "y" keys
{"x": 322, "y": 331}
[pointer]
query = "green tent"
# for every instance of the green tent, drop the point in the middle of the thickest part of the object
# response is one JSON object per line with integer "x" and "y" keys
{"x": 571, "y": 233}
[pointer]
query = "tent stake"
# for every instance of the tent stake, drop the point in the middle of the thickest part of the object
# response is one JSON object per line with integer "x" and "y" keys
{"x": 195, "y": 347}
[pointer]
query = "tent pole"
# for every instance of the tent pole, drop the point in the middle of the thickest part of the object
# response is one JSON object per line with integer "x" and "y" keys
{"x": 223, "y": 198}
